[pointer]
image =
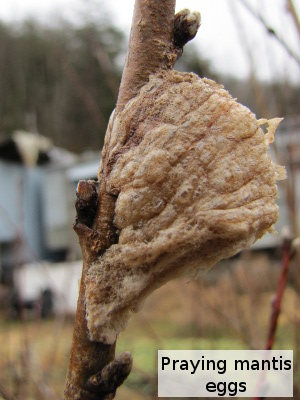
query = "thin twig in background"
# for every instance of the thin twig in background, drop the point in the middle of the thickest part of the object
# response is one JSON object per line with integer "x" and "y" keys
{"x": 257, "y": 89}
{"x": 83, "y": 94}
{"x": 272, "y": 31}
{"x": 276, "y": 303}
{"x": 291, "y": 8}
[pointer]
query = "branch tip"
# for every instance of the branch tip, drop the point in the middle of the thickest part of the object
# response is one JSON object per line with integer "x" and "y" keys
{"x": 112, "y": 375}
{"x": 87, "y": 202}
{"x": 186, "y": 25}
{"x": 81, "y": 228}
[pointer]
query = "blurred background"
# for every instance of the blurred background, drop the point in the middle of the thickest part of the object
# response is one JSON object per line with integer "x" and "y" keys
{"x": 60, "y": 67}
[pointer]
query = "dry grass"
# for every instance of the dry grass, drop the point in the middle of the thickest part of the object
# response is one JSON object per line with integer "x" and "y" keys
{"x": 229, "y": 308}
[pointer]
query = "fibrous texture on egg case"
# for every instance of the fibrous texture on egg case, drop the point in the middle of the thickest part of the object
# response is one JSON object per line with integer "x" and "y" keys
{"x": 194, "y": 185}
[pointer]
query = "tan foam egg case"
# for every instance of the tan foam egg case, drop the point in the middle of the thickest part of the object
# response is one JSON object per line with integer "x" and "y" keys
{"x": 195, "y": 185}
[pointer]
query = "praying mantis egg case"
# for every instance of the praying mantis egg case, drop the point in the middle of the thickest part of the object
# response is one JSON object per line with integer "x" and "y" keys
{"x": 195, "y": 185}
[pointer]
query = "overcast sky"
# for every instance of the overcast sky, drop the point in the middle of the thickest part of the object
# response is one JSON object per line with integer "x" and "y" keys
{"x": 227, "y": 35}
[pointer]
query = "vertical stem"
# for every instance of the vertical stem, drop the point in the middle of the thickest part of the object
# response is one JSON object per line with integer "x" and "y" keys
{"x": 150, "y": 46}
{"x": 150, "y": 49}
{"x": 87, "y": 358}
{"x": 286, "y": 256}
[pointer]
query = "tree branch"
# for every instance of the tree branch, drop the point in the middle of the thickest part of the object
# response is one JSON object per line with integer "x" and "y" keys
{"x": 93, "y": 372}
{"x": 156, "y": 42}
{"x": 87, "y": 358}
{"x": 150, "y": 46}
